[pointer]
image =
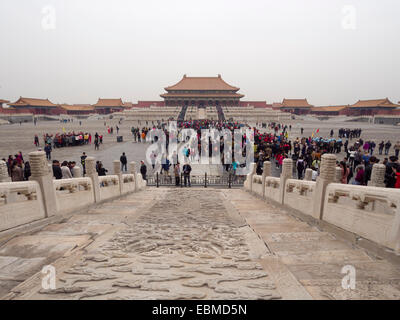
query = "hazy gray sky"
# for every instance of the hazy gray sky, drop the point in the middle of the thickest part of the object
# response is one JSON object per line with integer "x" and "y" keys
{"x": 133, "y": 49}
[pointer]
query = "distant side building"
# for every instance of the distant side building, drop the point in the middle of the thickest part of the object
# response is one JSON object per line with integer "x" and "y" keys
{"x": 107, "y": 106}
{"x": 372, "y": 107}
{"x": 34, "y": 106}
{"x": 77, "y": 109}
{"x": 296, "y": 106}
{"x": 127, "y": 105}
{"x": 2, "y": 103}
{"x": 330, "y": 110}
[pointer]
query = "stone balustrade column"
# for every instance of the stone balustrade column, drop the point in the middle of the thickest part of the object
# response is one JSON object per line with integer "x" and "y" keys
{"x": 4, "y": 177}
{"x": 42, "y": 173}
{"x": 266, "y": 173}
{"x": 90, "y": 165}
{"x": 287, "y": 173}
{"x": 76, "y": 172}
{"x": 308, "y": 175}
{"x": 338, "y": 175}
{"x": 377, "y": 176}
{"x": 326, "y": 176}
{"x": 251, "y": 174}
{"x": 133, "y": 170}
{"x": 117, "y": 172}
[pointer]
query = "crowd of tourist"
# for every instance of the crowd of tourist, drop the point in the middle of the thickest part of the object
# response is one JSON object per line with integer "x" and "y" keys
{"x": 60, "y": 140}
{"x": 359, "y": 156}
{"x": 273, "y": 145}
{"x": 306, "y": 153}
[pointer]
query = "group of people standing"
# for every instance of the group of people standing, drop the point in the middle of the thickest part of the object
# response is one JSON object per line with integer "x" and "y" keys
{"x": 63, "y": 170}
{"x": 348, "y": 133}
{"x": 139, "y": 135}
{"x": 18, "y": 169}
{"x": 60, "y": 140}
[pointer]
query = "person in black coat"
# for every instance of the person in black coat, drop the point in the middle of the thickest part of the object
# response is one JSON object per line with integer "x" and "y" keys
{"x": 390, "y": 177}
{"x": 57, "y": 173}
{"x": 143, "y": 170}
{"x": 124, "y": 162}
{"x": 101, "y": 170}
{"x": 186, "y": 174}
{"x": 27, "y": 171}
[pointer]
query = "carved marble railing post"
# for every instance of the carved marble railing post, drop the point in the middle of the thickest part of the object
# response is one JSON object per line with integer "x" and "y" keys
{"x": 117, "y": 172}
{"x": 308, "y": 175}
{"x": 4, "y": 172}
{"x": 132, "y": 169}
{"x": 251, "y": 174}
{"x": 338, "y": 175}
{"x": 377, "y": 176}
{"x": 326, "y": 176}
{"x": 90, "y": 165}
{"x": 76, "y": 172}
{"x": 287, "y": 173}
{"x": 42, "y": 173}
{"x": 266, "y": 173}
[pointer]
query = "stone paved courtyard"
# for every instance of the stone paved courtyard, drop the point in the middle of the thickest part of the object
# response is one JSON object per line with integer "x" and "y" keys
{"x": 189, "y": 244}
{"x": 14, "y": 138}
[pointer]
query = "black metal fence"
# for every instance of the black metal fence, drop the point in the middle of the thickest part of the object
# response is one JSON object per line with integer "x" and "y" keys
{"x": 228, "y": 180}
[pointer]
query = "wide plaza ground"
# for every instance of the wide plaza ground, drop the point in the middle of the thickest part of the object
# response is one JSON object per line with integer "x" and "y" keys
{"x": 16, "y": 137}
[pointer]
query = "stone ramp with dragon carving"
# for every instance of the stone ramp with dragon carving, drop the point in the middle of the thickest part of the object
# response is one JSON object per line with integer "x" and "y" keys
{"x": 189, "y": 244}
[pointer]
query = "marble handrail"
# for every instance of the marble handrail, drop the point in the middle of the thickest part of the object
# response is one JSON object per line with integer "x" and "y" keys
{"x": 20, "y": 203}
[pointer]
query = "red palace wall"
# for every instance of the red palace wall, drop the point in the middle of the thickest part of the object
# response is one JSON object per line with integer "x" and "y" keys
{"x": 55, "y": 111}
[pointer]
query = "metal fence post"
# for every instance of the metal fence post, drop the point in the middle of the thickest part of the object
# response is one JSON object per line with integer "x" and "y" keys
{"x": 229, "y": 181}
{"x": 205, "y": 180}
{"x": 157, "y": 182}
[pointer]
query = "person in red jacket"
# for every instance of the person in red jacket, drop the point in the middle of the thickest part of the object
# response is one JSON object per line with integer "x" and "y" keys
{"x": 397, "y": 173}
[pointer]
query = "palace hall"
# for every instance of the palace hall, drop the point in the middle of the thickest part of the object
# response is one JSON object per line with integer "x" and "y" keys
{"x": 202, "y": 92}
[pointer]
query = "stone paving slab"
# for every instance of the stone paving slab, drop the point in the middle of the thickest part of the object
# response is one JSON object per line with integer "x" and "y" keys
{"x": 323, "y": 256}
{"x": 18, "y": 268}
{"x": 370, "y": 270}
{"x": 298, "y": 247}
{"x": 72, "y": 228}
{"x": 42, "y": 245}
{"x": 363, "y": 291}
{"x": 296, "y": 236}
{"x": 279, "y": 227}
{"x": 287, "y": 284}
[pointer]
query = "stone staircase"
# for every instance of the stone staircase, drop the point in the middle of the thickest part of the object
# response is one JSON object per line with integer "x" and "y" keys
{"x": 190, "y": 243}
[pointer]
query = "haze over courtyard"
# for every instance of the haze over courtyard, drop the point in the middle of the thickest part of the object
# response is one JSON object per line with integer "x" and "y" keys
{"x": 80, "y": 51}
